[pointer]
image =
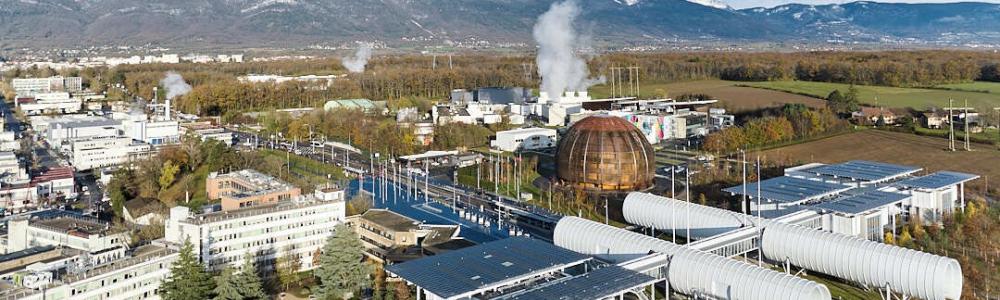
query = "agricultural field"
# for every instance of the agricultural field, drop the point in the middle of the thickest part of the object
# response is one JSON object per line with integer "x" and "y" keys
{"x": 732, "y": 97}
{"x": 916, "y": 98}
{"x": 978, "y": 86}
{"x": 892, "y": 147}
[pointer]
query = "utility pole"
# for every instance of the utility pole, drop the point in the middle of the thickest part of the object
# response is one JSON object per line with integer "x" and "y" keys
{"x": 687, "y": 192}
{"x": 997, "y": 110}
{"x": 743, "y": 200}
{"x": 634, "y": 80}
{"x": 760, "y": 253}
{"x": 951, "y": 124}
{"x": 673, "y": 195}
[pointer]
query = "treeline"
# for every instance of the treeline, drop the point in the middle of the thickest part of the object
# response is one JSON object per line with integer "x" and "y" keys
{"x": 795, "y": 121}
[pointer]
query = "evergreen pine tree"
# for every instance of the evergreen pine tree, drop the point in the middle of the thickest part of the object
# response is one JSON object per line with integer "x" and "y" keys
{"x": 188, "y": 278}
{"x": 248, "y": 281}
{"x": 225, "y": 287}
{"x": 341, "y": 268}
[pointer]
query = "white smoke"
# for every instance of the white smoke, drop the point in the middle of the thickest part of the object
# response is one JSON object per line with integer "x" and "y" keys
{"x": 558, "y": 65}
{"x": 356, "y": 63}
{"x": 175, "y": 85}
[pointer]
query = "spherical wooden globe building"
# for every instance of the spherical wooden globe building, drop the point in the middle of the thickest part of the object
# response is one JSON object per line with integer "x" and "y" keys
{"x": 605, "y": 153}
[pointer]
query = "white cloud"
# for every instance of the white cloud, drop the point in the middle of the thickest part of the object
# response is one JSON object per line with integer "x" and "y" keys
{"x": 739, "y": 4}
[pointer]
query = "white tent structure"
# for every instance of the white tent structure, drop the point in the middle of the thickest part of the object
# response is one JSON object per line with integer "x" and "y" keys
{"x": 690, "y": 271}
{"x": 873, "y": 264}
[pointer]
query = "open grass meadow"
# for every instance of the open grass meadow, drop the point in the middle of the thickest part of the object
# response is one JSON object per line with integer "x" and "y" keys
{"x": 916, "y": 98}
{"x": 978, "y": 86}
{"x": 731, "y": 96}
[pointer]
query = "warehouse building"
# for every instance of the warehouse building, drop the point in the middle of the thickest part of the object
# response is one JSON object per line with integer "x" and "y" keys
{"x": 524, "y": 139}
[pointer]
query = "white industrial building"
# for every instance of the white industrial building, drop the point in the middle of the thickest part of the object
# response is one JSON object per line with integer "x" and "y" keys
{"x": 60, "y": 134}
{"x": 157, "y": 131}
{"x": 525, "y": 139}
{"x": 858, "y": 198}
{"x": 207, "y": 131}
{"x": 99, "y": 152}
{"x": 300, "y": 226}
{"x": 46, "y": 103}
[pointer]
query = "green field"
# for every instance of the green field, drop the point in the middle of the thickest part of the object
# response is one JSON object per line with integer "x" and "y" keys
{"x": 916, "y": 98}
{"x": 978, "y": 86}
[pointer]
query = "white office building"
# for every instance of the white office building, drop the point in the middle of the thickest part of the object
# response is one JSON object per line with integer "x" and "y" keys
{"x": 524, "y": 139}
{"x": 99, "y": 152}
{"x": 32, "y": 86}
{"x": 296, "y": 227}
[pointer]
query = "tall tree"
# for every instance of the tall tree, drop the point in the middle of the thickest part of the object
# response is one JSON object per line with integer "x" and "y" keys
{"x": 225, "y": 286}
{"x": 188, "y": 278}
{"x": 248, "y": 281}
{"x": 287, "y": 266}
{"x": 341, "y": 268}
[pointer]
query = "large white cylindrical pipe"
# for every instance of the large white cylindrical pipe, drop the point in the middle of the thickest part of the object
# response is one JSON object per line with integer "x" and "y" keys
{"x": 664, "y": 214}
{"x": 690, "y": 272}
{"x": 905, "y": 271}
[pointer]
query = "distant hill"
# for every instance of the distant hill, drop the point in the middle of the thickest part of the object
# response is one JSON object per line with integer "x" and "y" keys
{"x": 283, "y": 23}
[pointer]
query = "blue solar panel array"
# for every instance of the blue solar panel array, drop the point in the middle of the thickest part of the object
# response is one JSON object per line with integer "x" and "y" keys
{"x": 598, "y": 284}
{"x": 864, "y": 170}
{"x": 789, "y": 189}
{"x": 938, "y": 180}
{"x": 466, "y": 270}
{"x": 863, "y": 202}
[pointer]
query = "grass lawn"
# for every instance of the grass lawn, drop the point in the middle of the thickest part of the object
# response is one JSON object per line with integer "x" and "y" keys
{"x": 989, "y": 135}
{"x": 916, "y": 98}
{"x": 978, "y": 86}
{"x": 306, "y": 173}
{"x": 732, "y": 97}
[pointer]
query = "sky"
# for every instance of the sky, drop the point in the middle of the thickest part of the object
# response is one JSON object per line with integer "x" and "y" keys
{"x": 771, "y": 3}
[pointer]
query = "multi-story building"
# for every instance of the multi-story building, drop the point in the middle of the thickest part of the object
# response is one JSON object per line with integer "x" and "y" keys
{"x": 247, "y": 188}
{"x": 19, "y": 193}
{"x": 69, "y": 276}
{"x": 102, "y": 152}
{"x": 32, "y": 86}
{"x": 66, "y": 229}
{"x": 389, "y": 236}
{"x": 296, "y": 227}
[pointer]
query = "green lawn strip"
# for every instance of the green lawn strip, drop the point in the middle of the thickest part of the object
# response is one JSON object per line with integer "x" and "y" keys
{"x": 917, "y": 98}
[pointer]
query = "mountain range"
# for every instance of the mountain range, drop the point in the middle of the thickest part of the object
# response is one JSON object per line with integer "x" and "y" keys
{"x": 297, "y": 23}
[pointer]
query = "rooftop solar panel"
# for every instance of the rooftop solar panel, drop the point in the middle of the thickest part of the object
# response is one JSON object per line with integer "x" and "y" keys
{"x": 466, "y": 270}
{"x": 599, "y": 284}
{"x": 789, "y": 189}
{"x": 938, "y": 180}
{"x": 859, "y": 203}
{"x": 864, "y": 170}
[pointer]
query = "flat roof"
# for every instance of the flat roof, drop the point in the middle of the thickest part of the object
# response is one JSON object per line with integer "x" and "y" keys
{"x": 862, "y": 202}
{"x": 390, "y": 219}
{"x": 864, "y": 170}
{"x": 464, "y": 272}
{"x": 598, "y": 284}
{"x": 938, "y": 180}
{"x": 789, "y": 189}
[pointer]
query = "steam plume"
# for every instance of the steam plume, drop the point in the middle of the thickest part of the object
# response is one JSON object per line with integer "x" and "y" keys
{"x": 175, "y": 85}
{"x": 356, "y": 63}
{"x": 558, "y": 65}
